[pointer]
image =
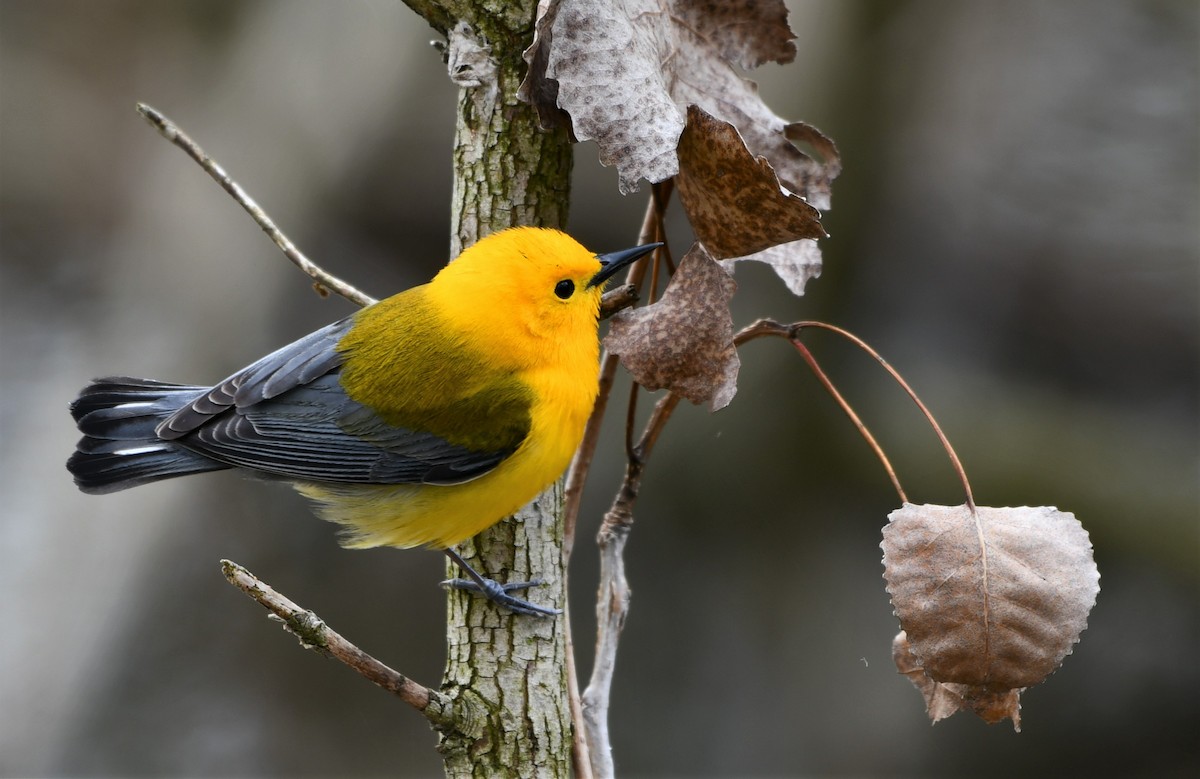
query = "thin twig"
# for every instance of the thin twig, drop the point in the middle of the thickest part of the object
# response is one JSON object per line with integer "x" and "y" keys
{"x": 660, "y": 194}
{"x": 316, "y": 635}
{"x": 651, "y": 230}
{"x": 761, "y": 328}
{"x": 612, "y": 606}
{"x": 654, "y": 426}
{"x": 631, "y": 420}
{"x": 617, "y": 299}
{"x": 937, "y": 429}
{"x": 325, "y": 281}
{"x": 612, "y": 600}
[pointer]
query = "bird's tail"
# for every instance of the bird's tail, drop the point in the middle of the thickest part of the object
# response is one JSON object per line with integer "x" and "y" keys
{"x": 119, "y": 448}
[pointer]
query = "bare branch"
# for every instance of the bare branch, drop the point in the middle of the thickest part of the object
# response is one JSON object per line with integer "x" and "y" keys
{"x": 592, "y": 754}
{"x": 325, "y": 281}
{"x": 588, "y": 740}
{"x": 316, "y": 635}
{"x": 612, "y": 605}
{"x": 618, "y": 299}
{"x": 612, "y": 599}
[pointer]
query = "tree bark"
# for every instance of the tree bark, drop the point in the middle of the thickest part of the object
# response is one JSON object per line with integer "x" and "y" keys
{"x": 507, "y": 673}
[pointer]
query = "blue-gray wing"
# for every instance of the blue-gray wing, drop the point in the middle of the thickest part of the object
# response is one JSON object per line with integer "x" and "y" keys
{"x": 287, "y": 416}
{"x": 285, "y": 369}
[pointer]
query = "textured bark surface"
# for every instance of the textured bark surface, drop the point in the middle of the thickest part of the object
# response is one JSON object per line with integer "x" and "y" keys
{"x": 511, "y": 670}
{"x": 507, "y": 170}
{"x": 506, "y": 673}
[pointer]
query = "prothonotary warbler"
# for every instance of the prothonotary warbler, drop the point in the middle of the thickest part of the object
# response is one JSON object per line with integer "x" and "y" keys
{"x": 419, "y": 420}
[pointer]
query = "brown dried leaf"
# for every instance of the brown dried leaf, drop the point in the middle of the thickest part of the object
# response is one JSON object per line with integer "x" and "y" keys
{"x": 943, "y": 700}
{"x": 733, "y": 199}
{"x": 990, "y": 600}
{"x": 683, "y": 342}
{"x": 766, "y": 134}
{"x": 625, "y": 72}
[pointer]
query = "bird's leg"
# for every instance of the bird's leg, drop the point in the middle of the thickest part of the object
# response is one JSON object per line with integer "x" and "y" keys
{"x": 495, "y": 591}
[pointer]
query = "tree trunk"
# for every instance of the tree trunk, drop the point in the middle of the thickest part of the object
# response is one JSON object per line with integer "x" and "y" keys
{"x": 509, "y": 671}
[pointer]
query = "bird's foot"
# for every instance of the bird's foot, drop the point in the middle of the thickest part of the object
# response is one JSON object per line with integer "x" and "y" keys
{"x": 495, "y": 591}
{"x": 499, "y": 594}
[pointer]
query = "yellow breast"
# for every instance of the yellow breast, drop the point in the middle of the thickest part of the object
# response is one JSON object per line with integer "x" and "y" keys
{"x": 441, "y": 516}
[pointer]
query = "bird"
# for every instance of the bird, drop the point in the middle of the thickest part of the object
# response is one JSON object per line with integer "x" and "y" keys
{"x": 419, "y": 420}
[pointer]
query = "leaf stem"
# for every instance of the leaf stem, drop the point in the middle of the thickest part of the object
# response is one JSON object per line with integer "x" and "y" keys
{"x": 937, "y": 429}
{"x": 849, "y": 411}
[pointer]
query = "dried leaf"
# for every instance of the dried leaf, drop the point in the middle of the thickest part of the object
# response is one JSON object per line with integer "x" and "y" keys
{"x": 991, "y": 600}
{"x": 604, "y": 57}
{"x": 942, "y": 700}
{"x": 626, "y": 71}
{"x": 683, "y": 342}
{"x": 733, "y": 199}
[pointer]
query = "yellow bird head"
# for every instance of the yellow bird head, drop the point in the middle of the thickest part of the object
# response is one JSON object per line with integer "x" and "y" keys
{"x": 533, "y": 293}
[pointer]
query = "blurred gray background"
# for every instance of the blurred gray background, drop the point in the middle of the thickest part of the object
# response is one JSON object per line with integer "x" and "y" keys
{"x": 1016, "y": 230}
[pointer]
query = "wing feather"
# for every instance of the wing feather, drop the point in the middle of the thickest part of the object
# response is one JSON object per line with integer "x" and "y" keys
{"x": 287, "y": 415}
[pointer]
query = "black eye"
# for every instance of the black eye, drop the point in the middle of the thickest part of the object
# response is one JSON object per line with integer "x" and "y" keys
{"x": 564, "y": 289}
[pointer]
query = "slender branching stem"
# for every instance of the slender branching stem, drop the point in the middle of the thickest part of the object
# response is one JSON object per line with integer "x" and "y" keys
{"x": 314, "y": 634}
{"x": 324, "y": 282}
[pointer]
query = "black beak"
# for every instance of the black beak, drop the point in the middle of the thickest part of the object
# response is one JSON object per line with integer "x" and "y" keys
{"x": 614, "y": 261}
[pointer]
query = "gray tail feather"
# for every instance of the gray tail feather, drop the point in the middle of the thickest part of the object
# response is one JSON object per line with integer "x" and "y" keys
{"x": 119, "y": 448}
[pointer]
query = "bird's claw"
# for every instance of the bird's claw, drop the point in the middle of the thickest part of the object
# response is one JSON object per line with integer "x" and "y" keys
{"x": 499, "y": 594}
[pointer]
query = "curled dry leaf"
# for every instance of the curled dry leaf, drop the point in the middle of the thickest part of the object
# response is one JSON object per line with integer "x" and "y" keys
{"x": 683, "y": 342}
{"x": 623, "y": 73}
{"x": 991, "y": 600}
{"x": 733, "y": 198}
{"x": 942, "y": 700}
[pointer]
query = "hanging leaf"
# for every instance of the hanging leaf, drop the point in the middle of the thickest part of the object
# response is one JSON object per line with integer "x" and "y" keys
{"x": 683, "y": 342}
{"x": 991, "y": 600}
